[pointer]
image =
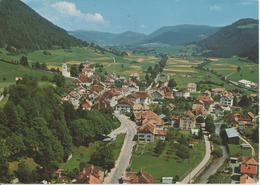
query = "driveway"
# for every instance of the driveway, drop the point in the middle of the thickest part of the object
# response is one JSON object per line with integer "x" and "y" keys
{"x": 201, "y": 165}
{"x": 126, "y": 152}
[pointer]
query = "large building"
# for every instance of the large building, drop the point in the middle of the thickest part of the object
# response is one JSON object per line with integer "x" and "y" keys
{"x": 226, "y": 99}
{"x": 65, "y": 71}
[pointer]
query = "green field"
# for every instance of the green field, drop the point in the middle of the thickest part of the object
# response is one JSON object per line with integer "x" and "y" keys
{"x": 228, "y": 67}
{"x": 165, "y": 165}
{"x": 235, "y": 150}
{"x": 123, "y": 65}
{"x": 8, "y": 72}
{"x": 83, "y": 153}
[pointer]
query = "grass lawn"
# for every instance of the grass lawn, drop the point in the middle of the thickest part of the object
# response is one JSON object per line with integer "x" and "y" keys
{"x": 117, "y": 145}
{"x": 235, "y": 150}
{"x": 165, "y": 164}
{"x": 29, "y": 161}
{"x": 8, "y": 72}
{"x": 79, "y": 154}
{"x": 83, "y": 153}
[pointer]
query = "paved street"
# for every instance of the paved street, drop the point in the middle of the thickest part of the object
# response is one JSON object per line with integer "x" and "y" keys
{"x": 201, "y": 165}
{"x": 126, "y": 151}
{"x": 214, "y": 166}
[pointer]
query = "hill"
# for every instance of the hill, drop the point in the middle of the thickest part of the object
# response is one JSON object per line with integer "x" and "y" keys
{"x": 171, "y": 35}
{"x": 239, "y": 38}
{"x": 23, "y": 28}
{"x": 109, "y": 39}
{"x": 180, "y": 34}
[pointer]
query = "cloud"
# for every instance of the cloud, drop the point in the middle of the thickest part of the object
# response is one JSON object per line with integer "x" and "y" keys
{"x": 215, "y": 8}
{"x": 70, "y": 9}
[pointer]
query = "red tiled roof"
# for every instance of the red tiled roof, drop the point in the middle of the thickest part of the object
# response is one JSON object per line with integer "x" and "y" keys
{"x": 248, "y": 169}
{"x": 249, "y": 160}
{"x": 125, "y": 100}
{"x": 91, "y": 175}
{"x": 138, "y": 177}
{"x": 205, "y": 99}
{"x": 141, "y": 95}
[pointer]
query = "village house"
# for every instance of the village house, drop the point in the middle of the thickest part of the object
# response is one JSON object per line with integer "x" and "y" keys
{"x": 217, "y": 111}
{"x": 148, "y": 132}
{"x": 199, "y": 110}
{"x": 226, "y": 99}
{"x": 140, "y": 177}
{"x": 168, "y": 122}
{"x": 86, "y": 105}
{"x": 167, "y": 92}
{"x": 217, "y": 91}
{"x": 243, "y": 121}
{"x": 207, "y": 93}
{"x": 205, "y": 100}
{"x": 183, "y": 93}
{"x": 141, "y": 97}
{"x": 134, "y": 76}
{"x": 96, "y": 88}
{"x": 64, "y": 70}
{"x": 245, "y": 179}
{"x": 192, "y": 87}
{"x": 156, "y": 96}
{"x": 133, "y": 88}
{"x": 249, "y": 166}
{"x": 187, "y": 121}
{"x": 247, "y": 83}
{"x": 90, "y": 175}
{"x": 232, "y": 136}
{"x": 140, "y": 108}
{"x": 101, "y": 103}
{"x": 124, "y": 105}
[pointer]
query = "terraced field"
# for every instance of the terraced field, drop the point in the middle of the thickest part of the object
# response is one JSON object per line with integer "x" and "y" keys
{"x": 122, "y": 65}
{"x": 229, "y": 66}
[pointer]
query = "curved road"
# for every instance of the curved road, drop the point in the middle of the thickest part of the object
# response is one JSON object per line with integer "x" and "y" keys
{"x": 201, "y": 165}
{"x": 214, "y": 166}
{"x": 123, "y": 160}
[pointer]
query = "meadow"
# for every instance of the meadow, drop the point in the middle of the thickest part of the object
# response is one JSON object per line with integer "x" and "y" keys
{"x": 163, "y": 165}
{"x": 229, "y": 68}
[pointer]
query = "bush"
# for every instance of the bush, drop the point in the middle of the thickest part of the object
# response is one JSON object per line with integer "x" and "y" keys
{"x": 217, "y": 153}
{"x": 182, "y": 151}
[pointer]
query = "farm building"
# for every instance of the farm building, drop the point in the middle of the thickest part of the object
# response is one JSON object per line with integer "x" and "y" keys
{"x": 232, "y": 136}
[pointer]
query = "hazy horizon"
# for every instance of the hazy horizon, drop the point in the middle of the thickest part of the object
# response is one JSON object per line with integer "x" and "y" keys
{"x": 143, "y": 16}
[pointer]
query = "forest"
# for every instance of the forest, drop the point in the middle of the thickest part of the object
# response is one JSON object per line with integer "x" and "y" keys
{"x": 35, "y": 123}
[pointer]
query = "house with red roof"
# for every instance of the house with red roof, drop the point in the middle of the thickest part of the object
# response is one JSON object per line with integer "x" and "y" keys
{"x": 90, "y": 175}
{"x": 249, "y": 166}
{"x": 140, "y": 177}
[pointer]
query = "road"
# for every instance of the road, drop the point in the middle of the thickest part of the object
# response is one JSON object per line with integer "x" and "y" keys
{"x": 214, "y": 166}
{"x": 201, "y": 165}
{"x": 123, "y": 160}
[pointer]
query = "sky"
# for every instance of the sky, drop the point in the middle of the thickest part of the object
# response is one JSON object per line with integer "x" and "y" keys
{"x": 143, "y": 16}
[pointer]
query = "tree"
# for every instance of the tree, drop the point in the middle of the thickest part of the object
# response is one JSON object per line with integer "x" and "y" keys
{"x": 103, "y": 157}
{"x": 5, "y": 176}
{"x": 24, "y": 61}
{"x": 59, "y": 80}
{"x": 159, "y": 147}
{"x": 244, "y": 102}
{"x": 172, "y": 83}
{"x": 209, "y": 124}
{"x": 182, "y": 151}
{"x": 200, "y": 119}
{"x": 74, "y": 70}
{"x": 238, "y": 69}
{"x": 23, "y": 173}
